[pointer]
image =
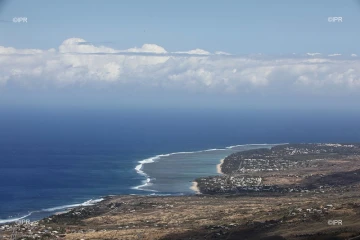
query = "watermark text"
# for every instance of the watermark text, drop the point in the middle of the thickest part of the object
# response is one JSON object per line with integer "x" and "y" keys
{"x": 334, "y": 222}
{"x": 335, "y": 19}
{"x": 20, "y": 20}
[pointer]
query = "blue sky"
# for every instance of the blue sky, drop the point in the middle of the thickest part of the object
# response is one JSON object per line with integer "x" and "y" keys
{"x": 233, "y": 26}
{"x": 279, "y": 49}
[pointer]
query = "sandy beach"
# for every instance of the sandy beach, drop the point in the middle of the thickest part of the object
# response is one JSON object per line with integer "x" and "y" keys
{"x": 194, "y": 187}
{"x": 218, "y": 167}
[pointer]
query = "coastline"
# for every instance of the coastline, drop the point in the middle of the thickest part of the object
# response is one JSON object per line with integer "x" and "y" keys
{"x": 142, "y": 211}
{"x": 145, "y": 182}
{"x": 195, "y": 188}
{"x": 58, "y": 210}
{"x": 218, "y": 167}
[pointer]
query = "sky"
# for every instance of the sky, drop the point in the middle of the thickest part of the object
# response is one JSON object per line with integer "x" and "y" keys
{"x": 224, "y": 54}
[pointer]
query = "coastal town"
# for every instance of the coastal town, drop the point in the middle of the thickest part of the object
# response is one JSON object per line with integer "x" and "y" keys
{"x": 283, "y": 168}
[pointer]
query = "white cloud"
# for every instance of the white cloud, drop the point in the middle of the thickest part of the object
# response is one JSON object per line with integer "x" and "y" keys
{"x": 150, "y": 48}
{"x": 73, "y": 45}
{"x": 77, "y": 62}
{"x": 334, "y": 55}
{"x": 196, "y": 51}
{"x": 313, "y": 54}
{"x": 222, "y": 53}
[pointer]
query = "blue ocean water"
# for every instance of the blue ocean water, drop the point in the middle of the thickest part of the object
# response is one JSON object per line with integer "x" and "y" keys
{"x": 53, "y": 158}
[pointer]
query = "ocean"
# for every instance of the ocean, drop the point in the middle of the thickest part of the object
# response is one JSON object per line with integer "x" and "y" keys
{"x": 53, "y": 159}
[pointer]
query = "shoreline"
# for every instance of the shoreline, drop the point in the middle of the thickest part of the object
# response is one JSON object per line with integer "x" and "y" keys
{"x": 195, "y": 212}
{"x": 139, "y": 167}
{"x": 218, "y": 166}
{"x": 63, "y": 209}
{"x": 195, "y": 187}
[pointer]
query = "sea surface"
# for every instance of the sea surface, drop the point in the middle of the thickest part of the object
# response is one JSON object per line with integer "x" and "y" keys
{"x": 53, "y": 159}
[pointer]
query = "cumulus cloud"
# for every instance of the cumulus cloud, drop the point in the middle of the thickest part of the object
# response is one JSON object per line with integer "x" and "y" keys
{"x": 81, "y": 63}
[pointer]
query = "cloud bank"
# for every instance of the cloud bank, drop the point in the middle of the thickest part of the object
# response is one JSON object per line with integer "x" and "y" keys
{"x": 79, "y": 63}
